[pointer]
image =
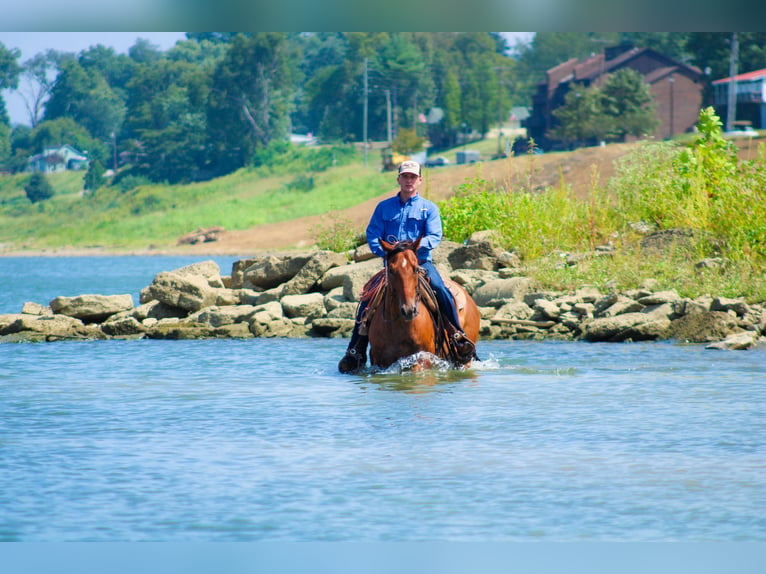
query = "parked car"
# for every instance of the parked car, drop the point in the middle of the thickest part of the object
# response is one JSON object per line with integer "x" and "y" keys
{"x": 437, "y": 161}
{"x": 745, "y": 131}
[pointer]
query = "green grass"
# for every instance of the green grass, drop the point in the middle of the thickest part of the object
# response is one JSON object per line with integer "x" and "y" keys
{"x": 159, "y": 214}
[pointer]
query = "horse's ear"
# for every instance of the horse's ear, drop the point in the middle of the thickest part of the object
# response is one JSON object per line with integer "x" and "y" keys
{"x": 416, "y": 244}
{"x": 387, "y": 247}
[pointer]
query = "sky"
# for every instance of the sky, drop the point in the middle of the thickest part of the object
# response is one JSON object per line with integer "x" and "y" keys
{"x": 31, "y": 43}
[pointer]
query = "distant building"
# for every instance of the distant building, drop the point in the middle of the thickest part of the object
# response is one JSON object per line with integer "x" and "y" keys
{"x": 751, "y": 98}
{"x": 676, "y": 87}
{"x": 56, "y": 159}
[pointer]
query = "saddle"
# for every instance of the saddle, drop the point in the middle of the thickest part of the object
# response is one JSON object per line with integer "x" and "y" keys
{"x": 374, "y": 291}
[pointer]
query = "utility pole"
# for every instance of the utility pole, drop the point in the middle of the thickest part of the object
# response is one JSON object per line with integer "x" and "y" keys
{"x": 364, "y": 128}
{"x": 499, "y": 112}
{"x": 388, "y": 115}
{"x": 731, "y": 107}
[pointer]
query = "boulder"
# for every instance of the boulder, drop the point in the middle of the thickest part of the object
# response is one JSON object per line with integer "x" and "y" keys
{"x": 498, "y": 292}
{"x": 736, "y": 342}
{"x": 273, "y": 270}
{"x": 332, "y": 327}
{"x": 704, "y": 327}
{"x": 633, "y": 326}
{"x": 472, "y": 279}
{"x": 477, "y": 255}
{"x": 311, "y": 273}
{"x": 219, "y": 316}
{"x": 238, "y": 268}
{"x": 30, "y": 308}
{"x": 310, "y": 305}
{"x": 91, "y": 308}
{"x": 338, "y": 276}
{"x": 738, "y": 306}
{"x": 51, "y": 326}
{"x": 125, "y": 327}
{"x": 659, "y": 298}
{"x": 207, "y": 269}
{"x": 189, "y": 292}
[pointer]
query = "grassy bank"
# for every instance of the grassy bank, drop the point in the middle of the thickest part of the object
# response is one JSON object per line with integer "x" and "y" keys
{"x": 711, "y": 206}
{"x": 159, "y": 214}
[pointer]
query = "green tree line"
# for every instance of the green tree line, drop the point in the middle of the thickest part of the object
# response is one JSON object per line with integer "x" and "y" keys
{"x": 209, "y": 105}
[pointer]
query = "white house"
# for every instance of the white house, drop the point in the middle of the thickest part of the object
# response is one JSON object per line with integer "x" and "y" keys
{"x": 60, "y": 158}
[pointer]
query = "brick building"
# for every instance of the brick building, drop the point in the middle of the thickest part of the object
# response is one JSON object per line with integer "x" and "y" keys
{"x": 677, "y": 89}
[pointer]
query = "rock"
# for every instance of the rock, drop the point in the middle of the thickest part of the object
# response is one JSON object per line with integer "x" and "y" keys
{"x": 476, "y": 255}
{"x": 272, "y": 270}
{"x": 704, "y": 327}
{"x": 180, "y": 330}
{"x": 207, "y": 269}
{"x": 311, "y": 273}
{"x": 363, "y": 253}
{"x": 157, "y": 310}
{"x": 56, "y": 326}
{"x": 471, "y": 279}
{"x": 310, "y": 305}
{"x": 91, "y": 308}
{"x": 30, "y": 308}
{"x": 238, "y": 274}
{"x": 332, "y": 327}
{"x": 588, "y": 294}
{"x": 633, "y": 326}
{"x": 621, "y": 306}
{"x": 512, "y": 310}
{"x": 219, "y": 316}
{"x": 736, "y": 342}
{"x": 337, "y": 276}
{"x": 126, "y": 326}
{"x": 498, "y": 292}
{"x": 738, "y": 306}
{"x": 188, "y": 292}
{"x": 547, "y": 309}
{"x": 659, "y": 298}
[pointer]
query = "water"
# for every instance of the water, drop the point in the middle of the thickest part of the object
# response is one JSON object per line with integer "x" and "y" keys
{"x": 262, "y": 440}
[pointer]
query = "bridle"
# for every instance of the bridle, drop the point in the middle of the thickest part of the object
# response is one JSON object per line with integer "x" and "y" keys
{"x": 399, "y": 247}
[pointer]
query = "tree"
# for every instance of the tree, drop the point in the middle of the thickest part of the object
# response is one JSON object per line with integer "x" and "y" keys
{"x": 38, "y": 188}
{"x": 85, "y": 96}
{"x": 94, "y": 178}
{"x": 38, "y": 75}
{"x": 166, "y": 119}
{"x": 628, "y": 101}
{"x": 622, "y": 106}
{"x": 249, "y": 98}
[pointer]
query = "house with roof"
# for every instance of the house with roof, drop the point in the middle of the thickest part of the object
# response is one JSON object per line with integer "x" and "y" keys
{"x": 677, "y": 89}
{"x": 61, "y": 158}
{"x": 751, "y": 98}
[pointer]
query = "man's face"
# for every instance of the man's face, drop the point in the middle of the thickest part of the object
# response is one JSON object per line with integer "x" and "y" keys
{"x": 409, "y": 183}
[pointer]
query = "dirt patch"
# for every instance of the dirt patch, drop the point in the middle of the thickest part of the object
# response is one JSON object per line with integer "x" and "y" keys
{"x": 577, "y": 168}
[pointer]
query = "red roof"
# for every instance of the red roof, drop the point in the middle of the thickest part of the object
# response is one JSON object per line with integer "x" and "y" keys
{"x": 756, "y": 75}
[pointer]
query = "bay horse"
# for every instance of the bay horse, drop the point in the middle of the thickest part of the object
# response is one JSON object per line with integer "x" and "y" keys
{"x": 406, "y": 319}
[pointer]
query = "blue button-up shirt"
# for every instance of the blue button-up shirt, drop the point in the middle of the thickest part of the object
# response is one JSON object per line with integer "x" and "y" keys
{"x": 394, "y": 221}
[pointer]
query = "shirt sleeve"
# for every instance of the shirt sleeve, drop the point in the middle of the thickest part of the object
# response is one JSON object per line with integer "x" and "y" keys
{"x": 433, "y": 232}
{"x": 375, "y": 231}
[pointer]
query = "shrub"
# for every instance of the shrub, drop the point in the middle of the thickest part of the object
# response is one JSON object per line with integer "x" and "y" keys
{"x": 38, "y": 188}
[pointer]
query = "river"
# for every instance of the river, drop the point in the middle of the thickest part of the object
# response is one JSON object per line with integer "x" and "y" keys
{"x": 263, "y": 440}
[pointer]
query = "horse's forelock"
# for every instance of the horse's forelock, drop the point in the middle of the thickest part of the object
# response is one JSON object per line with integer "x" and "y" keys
{"x": 400, "y": 246}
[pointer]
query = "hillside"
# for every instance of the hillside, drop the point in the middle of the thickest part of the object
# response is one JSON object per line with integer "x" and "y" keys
{"x": 576, "y": 168}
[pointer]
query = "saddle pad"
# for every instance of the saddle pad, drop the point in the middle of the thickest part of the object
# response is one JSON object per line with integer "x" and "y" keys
{"x": 458, "y": 294}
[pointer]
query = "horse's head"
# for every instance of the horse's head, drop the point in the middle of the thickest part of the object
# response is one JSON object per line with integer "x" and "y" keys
{"x": 402, "y": 266}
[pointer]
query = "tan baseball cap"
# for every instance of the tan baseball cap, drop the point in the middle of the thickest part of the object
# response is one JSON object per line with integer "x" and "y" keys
{"x": 410, "y": 166}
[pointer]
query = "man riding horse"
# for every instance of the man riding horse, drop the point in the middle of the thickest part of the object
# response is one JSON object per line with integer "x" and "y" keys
{"x": 406, "y": 217}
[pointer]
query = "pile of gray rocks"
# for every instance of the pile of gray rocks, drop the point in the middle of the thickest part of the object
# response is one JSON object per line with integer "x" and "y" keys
{"x": 314, "y": 294}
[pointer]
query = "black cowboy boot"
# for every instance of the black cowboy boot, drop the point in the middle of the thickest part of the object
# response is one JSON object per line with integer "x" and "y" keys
{"x": 466, "y": 349}
{"x": 356, "y": 355}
